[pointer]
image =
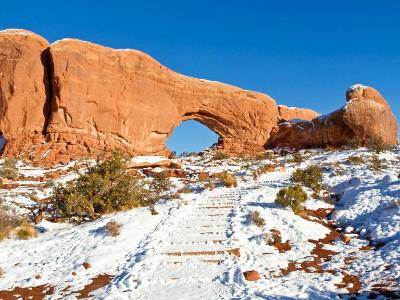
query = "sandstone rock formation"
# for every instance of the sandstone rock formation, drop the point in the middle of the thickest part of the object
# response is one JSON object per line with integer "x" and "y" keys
{"x": 366, "y": 115}
{"x": 289, "y": 113}
{"x": 106, "y": 98}
{"x": 327, "y": 130}
{"x": 74, "y": 98}
{"x": 24, "y": 89}
{"x": 251, "y": 275}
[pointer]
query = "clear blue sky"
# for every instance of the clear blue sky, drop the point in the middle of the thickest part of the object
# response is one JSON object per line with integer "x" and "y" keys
{"x": 302, "y": 53}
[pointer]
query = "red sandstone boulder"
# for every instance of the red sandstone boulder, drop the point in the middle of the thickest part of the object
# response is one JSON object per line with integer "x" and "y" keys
{"x": 251, "y": 275}
{"x": 290, "y": 113}
{"x": 24, "y": 91}
{"x": 86, "y": 265}
{"x": 366, "y": 115}
{"x": 319, "y": 132}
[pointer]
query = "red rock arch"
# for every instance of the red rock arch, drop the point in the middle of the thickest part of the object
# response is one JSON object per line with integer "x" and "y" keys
{"x": 102, "y": 98}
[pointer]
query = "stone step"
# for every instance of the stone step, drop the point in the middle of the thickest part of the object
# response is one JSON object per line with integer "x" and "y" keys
{"x": 185, "y": 259}
{"x": 232, "y": 251}
{"x": 188, "y": 289}
{"x": 190, "y": 270}
{"x": 203, "y": 241}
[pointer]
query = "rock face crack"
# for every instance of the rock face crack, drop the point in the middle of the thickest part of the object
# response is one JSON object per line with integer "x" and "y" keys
{"x": 56, "y": 93}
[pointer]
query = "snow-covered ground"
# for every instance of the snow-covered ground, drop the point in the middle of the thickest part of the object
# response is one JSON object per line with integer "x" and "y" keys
{"x": 199, "y": 245}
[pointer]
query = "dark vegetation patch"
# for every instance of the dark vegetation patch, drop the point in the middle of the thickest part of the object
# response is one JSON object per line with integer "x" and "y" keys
{"x": 292, "y": 196}
{"x": 106, "y": 187}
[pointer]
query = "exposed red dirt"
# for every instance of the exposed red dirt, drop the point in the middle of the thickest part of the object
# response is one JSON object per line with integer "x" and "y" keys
{"x": 98, "y": 282}
{"x": 350, "y": 282}
{"x": 321, "y": 255}
{"x": 33, "y": 293}
{"x": 282, "y": 247}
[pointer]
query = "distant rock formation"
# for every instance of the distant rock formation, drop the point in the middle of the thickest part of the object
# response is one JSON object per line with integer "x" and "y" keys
{"x": 366, "y": 115}
{"x": 369, "y": 115}
{"x": 73, "y": 98}
{"x": 290, "y": 113}
{"x": 25, "y": 94}
{"x": 106, "y": 98}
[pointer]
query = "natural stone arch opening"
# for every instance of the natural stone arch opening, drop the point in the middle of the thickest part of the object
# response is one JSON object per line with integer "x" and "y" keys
{"x": 191, "y": 136}
{"x": 2, "y": 142}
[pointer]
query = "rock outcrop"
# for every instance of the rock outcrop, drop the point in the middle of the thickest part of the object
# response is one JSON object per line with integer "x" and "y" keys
{"x": 366, "y": 115}
{"x": 24, "y": 89}
{"x": 73, "y": 98}
{"x": 106, "y": 98}
{"x": 326, "y": 130}
{"x": 290, "y": 113}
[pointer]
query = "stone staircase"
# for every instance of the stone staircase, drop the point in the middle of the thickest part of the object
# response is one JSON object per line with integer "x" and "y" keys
{"x": 197, "y": 247}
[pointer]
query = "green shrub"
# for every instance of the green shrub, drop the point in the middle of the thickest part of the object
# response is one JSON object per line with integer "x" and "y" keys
{"x": 185, "y": 190}
{"x": 296, "y": 158}
{"x": 9, "y": 169}
{"x": 292, "y": 196}
{"x": 376, "y": 144}
{"x": 376, "y": 163}
{"x": 257, "y": 219}
{"x": 355, "y": 160}
{"x": 106, "y": 187}
{"x": 310, "y": 177}
{"x": 220, "y": 155}
{"x": 355, "y": 143}
{"x": 264, "y": 155}
{"x": 160, "y": 182}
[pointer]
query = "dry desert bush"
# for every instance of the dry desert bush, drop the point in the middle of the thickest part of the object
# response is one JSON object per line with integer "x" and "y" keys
{"x": 355, "y": 160}
{"x": 257, "y": 219}
{"x": 113, "y": 228}
{"x": 226, "y": 178}
{"x": 220, "y": 155}
{"x": 377, "y": 145}
{"x": 376, "y": 163}
{"x": 9, "y": 221}
{"x": 9, "y": 169}
{"x": 25, "y": 231}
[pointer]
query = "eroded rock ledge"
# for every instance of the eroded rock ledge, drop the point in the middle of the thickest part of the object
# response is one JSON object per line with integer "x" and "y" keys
{"x": 73, "y": 98}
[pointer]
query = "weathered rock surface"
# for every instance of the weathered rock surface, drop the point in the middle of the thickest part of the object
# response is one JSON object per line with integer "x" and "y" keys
{"x": 83, "y": 99}
{"x": 251, "y": 275}
{"x": 24, "y": 89}
{"x": 106, "y": 98}
{"x": 366, "y": 115}
{"x": 326, "y": 130}
{"x": 289, "y": 113}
